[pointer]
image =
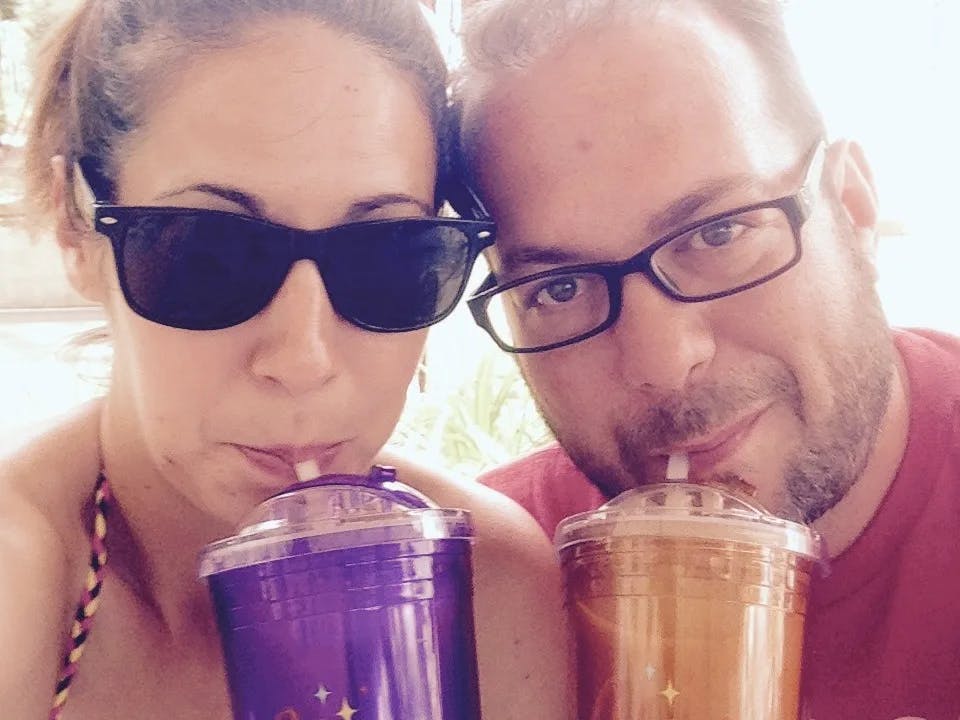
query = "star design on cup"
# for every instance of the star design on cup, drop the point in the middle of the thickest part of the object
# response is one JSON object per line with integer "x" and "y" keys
{"x": 346, "y": 712}
{"x": 670, "y": 693}
{"x": 322, "y": 694}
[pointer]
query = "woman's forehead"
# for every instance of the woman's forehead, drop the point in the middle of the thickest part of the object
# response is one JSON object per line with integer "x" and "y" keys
{"x": 301, "y": 112}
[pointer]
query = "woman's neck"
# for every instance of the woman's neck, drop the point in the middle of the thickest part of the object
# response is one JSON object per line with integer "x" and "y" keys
{"x": 154, "y": 535}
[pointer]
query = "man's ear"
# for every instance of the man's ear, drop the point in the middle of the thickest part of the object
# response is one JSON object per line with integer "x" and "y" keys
{"x": 81, "y": 248}
{"x": 856, "y": 194}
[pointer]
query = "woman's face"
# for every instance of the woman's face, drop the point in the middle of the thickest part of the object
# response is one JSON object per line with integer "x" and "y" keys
{"x": 308, "y": 129}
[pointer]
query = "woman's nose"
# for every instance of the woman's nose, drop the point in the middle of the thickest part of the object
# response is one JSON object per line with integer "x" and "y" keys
{"x": 301, "y": 332}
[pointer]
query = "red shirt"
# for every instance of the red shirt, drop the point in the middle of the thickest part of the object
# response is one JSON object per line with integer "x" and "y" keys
{"x": 883, "y": 630}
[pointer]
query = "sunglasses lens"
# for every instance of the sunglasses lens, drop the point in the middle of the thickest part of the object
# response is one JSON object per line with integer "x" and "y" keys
{"x": 205, "y": 270}
{"x": 201, "y": 271}
{"x": 399, "y": 275}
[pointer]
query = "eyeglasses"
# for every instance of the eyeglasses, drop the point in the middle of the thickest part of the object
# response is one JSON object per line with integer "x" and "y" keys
{"x": 207, "y": 269}
{"x": 719, "y": 256}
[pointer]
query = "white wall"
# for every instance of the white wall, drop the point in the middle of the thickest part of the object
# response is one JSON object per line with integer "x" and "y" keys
{"x": 886, "y": 74}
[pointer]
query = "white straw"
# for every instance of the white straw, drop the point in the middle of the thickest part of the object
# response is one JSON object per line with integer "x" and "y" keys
{"x": 307, "y": 470}
{"x": 678, "y": 467}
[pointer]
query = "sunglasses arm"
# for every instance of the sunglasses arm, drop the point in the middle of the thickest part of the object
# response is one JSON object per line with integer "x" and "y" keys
{"x": 84, "y": 197}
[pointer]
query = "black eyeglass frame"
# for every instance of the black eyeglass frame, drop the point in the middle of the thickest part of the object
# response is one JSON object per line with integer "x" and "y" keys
{"x": 112, "y": 220}
{"x": 797, "y": 208}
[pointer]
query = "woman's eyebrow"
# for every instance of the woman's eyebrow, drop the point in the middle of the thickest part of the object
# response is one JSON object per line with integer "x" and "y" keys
{"x": 362, "y": 207}
{"x": 251, "y": 203}
{"x": 254, "y": 205}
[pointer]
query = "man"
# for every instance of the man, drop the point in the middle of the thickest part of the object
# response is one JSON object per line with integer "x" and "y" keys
{"x": 685, "y": 266}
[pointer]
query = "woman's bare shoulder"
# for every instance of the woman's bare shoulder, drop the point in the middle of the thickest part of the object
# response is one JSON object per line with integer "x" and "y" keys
{"x": 42, "y": 493}
{"x": 35, "y": 580}
{"x": 495, "y": 513}
{"x": 55, "y": 470}
{"x": 522, "y": 637}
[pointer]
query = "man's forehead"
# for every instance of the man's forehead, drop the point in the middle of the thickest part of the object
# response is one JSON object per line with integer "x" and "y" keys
{"x": 539, "y": 239}
{"x": 647, "y": 77}
{"x": 622, "y": 124}
{"x": 641, "y": 49}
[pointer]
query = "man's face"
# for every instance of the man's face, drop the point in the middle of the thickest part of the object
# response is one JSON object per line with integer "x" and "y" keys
{"x": 597, "y": 151}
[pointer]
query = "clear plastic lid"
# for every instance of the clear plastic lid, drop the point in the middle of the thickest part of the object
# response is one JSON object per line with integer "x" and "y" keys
{"x": 687, "y": 510}
{"x": 334, "y": 512}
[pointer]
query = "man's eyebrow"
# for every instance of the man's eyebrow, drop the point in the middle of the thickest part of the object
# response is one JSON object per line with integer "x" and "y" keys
{"x": 512, "y": 260}
{"x": 678, "y": 213}
{"x": 685, "y": 209}
{"x": 251, "y": 203}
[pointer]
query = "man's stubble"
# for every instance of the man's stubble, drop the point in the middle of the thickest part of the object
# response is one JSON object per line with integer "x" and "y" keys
{"x": 833, "y": 450}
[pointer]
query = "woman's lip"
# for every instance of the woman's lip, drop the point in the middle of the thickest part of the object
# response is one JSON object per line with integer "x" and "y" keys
{"x": 293, "y": 455}
{"x": 280, "y": 462}
{"x": 275, "y": 466}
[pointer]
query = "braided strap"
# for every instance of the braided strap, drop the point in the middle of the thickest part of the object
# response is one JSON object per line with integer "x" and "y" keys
{"x": 90, "y": 601}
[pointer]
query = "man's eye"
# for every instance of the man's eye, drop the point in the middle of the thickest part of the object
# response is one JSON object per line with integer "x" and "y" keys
{"x": 556, "y": 291}
{"x": 716, "y": 235}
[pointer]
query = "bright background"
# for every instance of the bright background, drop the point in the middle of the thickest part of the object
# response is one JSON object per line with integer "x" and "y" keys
{"x": 885, "y": 74}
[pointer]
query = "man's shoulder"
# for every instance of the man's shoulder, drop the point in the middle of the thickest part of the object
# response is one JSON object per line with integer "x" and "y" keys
{"x": 932, "y": 362}
{"x": 547, "y": 484}
{"x": 548, "y": 463}
{"x": 924, "y": 347}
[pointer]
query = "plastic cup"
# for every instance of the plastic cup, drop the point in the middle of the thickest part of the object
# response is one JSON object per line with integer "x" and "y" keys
{"x": 687, "y": 602}
{"x": 347, "y": 598}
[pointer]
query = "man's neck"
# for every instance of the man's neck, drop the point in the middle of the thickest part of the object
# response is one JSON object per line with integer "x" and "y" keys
{"x": 845, "y": 522}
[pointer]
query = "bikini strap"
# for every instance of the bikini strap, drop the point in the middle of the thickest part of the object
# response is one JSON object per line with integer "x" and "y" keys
{"x": 90, "y": 600}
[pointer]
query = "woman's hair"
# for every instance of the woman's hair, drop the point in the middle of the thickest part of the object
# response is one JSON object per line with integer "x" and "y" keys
{"x": 97, "y": 70}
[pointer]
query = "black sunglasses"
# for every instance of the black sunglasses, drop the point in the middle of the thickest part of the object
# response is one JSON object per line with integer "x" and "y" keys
{"x": 712, "y": 258}
{"x": 208, "y": 269}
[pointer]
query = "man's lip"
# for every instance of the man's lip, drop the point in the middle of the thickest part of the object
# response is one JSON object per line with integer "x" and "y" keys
{"x": 707, "y": 453}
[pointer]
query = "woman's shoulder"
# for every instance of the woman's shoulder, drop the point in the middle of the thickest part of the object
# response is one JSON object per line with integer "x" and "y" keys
{"x": 46, "y": 483}
{"x": 522, "y": 637}
{"x": 55, "y": 470}
{"x": 33, "y": 584}
{"x": 496, "y": 514}
{"x": 39, "y": 521}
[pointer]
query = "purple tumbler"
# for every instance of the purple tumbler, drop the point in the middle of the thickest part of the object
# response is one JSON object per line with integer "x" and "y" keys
{"x": 347, "y": 598}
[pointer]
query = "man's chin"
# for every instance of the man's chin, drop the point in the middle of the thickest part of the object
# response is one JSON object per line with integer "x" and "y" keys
{"x": 730, "y": 480}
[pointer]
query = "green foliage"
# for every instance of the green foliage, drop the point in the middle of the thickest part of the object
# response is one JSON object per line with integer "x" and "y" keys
{"x": 488, "y": 420}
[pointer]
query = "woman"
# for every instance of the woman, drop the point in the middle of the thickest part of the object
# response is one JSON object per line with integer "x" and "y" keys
{"x": 242, "y": 345}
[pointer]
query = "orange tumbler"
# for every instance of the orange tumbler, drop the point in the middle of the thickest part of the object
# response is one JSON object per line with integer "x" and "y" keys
{"x": 687, "y": 602}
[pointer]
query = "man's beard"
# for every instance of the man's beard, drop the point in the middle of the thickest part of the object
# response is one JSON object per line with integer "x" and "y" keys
{"x": 829, "y": 456}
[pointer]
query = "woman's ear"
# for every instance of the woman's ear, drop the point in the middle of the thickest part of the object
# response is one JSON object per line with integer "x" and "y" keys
{"x": 852, "y": 180}
{"x": 81, "y": 248}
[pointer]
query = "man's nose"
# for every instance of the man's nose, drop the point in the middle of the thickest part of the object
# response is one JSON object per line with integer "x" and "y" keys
{"x": 301, "y": 331}
{"x": 661, "y": 344}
